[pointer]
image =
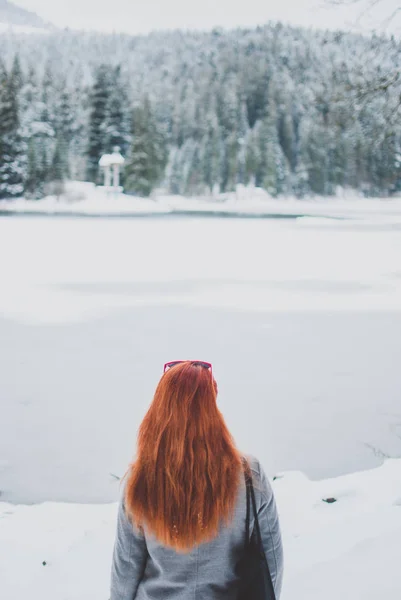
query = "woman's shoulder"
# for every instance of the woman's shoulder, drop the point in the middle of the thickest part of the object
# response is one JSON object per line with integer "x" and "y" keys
{"x": 261, "y": 482}
{"x": 254, "y": 464}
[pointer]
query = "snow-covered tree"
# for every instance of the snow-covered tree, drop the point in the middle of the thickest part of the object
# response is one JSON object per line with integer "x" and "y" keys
{"x": 147, "y": 160}
{"x": 334, "y": 99}
{"x": 99, "y": 104}
{"x": 118, "y": 121}
{"x": 11, "y": 147}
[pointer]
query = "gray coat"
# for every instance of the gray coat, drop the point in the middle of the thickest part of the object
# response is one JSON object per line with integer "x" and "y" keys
{"x": 143, "y": 569}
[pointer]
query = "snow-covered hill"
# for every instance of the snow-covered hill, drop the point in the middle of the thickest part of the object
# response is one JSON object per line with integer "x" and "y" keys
{"x": 20, "y": 20}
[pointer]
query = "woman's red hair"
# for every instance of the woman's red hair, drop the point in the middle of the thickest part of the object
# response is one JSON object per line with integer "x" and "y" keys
{"x": 183, "y": 484}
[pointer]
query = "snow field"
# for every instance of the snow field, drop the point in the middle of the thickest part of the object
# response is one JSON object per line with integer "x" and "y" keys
{"x": 350, "y": 548}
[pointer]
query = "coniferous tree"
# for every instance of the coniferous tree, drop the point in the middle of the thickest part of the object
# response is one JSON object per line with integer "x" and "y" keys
{"x": 148, "y": 158}
{"x": 33, "y": 185}
{"x": 211, "y": 153}
{"x": 99, "y": 103}
{"x": 252, "y": 155}
{"x": 117, "y": 129}
{"x": 11, "y": 149}
{"x": 174, "y": 171}
{"x": 16, "y": 74}
{"x": 230, "y": 162}
{"x": 194, "y": 180}
{"x": 189, "y": 151}
{"x": 44, "y": 137}
{"x": 268, "y": 150}
{"x": 57, "y": 169}
{"x": 242, "y": 134}
{"x": 318, "y": 158}
{"x": 273, "y": 169}
{"x": 29, "y": 104}
{"x": 287, "y": 135}
{"x": 64, "y": 129}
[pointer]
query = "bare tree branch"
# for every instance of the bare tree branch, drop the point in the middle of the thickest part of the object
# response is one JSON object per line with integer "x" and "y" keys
{"x": 365, "y": 88}
{"x": 368, "y": 5}
{"x": 349, "y": 2}
{"x": 392, "y": 16}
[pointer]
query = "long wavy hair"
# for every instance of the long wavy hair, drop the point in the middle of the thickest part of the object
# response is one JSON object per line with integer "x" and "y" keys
{"x": 184, "y": 481}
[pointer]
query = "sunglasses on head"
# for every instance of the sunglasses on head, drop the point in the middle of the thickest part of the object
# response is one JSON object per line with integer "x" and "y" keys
{"x": 195, "y": 363}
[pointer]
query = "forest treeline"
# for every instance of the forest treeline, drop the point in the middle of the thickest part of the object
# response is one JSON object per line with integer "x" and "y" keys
{"x": 291, "y": 110}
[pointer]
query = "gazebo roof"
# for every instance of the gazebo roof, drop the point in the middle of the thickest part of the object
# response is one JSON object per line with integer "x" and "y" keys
{"x": 108, "y": 160}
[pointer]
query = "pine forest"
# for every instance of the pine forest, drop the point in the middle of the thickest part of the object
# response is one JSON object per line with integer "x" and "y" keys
{"x": 294, "y": 111}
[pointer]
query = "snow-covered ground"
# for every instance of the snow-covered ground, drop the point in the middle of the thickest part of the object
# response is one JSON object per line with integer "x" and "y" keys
{"x": 348, "y": 549}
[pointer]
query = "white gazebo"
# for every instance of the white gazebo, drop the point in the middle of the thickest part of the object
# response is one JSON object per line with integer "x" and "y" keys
{"x": 111, "y": 165}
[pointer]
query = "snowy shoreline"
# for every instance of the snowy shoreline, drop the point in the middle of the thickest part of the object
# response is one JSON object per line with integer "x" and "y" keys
{"x": 348, "y": 548}
{"x": 84, "y": 199}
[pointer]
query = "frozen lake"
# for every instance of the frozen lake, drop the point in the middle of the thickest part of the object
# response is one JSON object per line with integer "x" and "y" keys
{"x": 300, "y": 317}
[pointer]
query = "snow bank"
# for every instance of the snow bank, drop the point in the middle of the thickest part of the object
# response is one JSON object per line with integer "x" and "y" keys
{"x": 349, "y": 548}
{"x": 85, "y": 199}
{"x": 256, "y": 202}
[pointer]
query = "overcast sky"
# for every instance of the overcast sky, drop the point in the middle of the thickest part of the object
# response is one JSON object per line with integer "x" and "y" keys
{"x": 142, "y": 16}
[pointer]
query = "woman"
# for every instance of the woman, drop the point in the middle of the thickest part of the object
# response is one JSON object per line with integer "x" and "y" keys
{"x": 181, "y": 521}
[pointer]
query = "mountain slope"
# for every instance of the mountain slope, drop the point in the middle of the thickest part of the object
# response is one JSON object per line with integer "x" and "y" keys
{"x": 11, "y": 14}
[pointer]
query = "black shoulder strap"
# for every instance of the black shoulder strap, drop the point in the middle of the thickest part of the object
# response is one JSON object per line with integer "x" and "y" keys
{"x": 248, "y": 502}
{"x": 249, "y": 485}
